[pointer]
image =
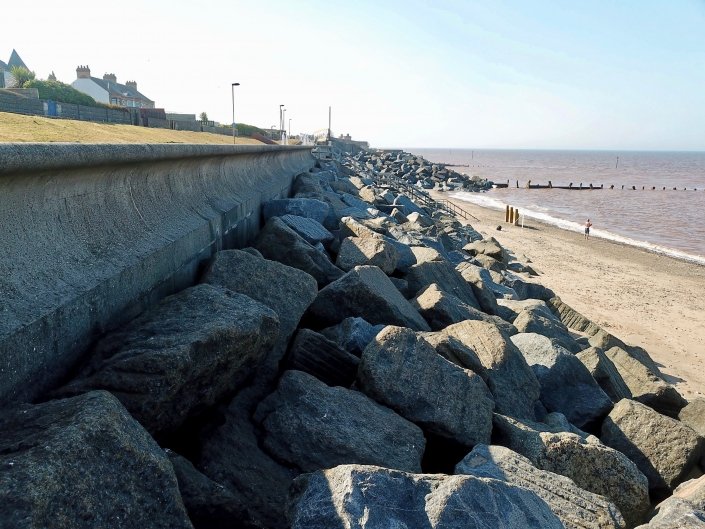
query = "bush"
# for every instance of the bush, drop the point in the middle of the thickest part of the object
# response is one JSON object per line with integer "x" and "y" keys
{"x": 58, "y": 91}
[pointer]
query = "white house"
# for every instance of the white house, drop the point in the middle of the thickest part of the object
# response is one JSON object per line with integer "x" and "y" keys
{"x": 107, "y": 90}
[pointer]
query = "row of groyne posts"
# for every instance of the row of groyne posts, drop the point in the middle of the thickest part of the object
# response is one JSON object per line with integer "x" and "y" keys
{"x": 511, "y": 215}
{"x": 580, "y": 187}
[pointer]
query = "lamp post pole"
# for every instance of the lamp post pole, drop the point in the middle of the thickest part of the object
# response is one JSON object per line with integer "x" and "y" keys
{"x": 232, "y": 89}
{"x": 281, "y": 122}
{"x": 289, "y": 128}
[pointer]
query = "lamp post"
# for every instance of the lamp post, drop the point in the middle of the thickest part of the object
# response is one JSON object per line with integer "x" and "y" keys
{"x": 286, "y": 140}
{"x": 281, "y": 122}
{"x": 232, "y": 89}
{"x": 289, "y": 128}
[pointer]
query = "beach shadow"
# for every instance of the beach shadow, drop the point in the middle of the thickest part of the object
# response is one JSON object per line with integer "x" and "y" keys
{"x": 671, "y": 379}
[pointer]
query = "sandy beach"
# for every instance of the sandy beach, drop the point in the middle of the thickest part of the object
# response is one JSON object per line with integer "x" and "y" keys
{"x": 643, "y": 298}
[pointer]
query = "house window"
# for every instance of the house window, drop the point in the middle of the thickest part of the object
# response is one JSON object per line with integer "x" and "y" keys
{"x": 113, "y": 101}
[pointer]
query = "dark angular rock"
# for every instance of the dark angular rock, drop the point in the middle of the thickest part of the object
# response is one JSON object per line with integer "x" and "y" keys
{"x": 489, "y": 247}
{"x": 566, "y": 384}
{"x": 301, "y": 207}
{"x": 510, "y": 379}
{"x": 209, "y": 504}
{"x": 82, "y": 463}
{"x": 402, "y": 371}
{"x": 379, "y": 498}
{"x": 533, "y": 321}
{"x": 352, "y": 334}
{"x": 310, "y": 230}
{"x": 193, "y": 349}
{"x": 366, "y": 292}
{"x": 577, "y": 508}
{"x": 316, "y": 355}
{"x": 664, "y": 449}
{"x": 572, "y": 318}
{"x": 312, "y": 426}
{"x": 448, "y": 279}
{"x": 480, "y": 282}
{"x": 527, "y": 290}
{"x": 280, "y": 243}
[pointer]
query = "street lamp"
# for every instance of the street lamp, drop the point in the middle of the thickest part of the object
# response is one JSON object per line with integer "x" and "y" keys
{"x": 289, "y": 127}
{"x": 232, "y": 89}
{"x": 281, "y": 122}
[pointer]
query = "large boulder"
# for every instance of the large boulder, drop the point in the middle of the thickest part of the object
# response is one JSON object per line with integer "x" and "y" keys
{"x": 512, "y": 307}
{"x": 664, "y": 449}
{"x": 82, "y": 463}
{"x": 489, "y": 247}
{"x": 309, "y": 208}
{"x": 482, "y": 286}
{"x": 448, "y": 279}
{"x": 582, "y": 458}
{"x": 352, "y": 334}
{"x": 352, "y": 496}
{"x": 312, "y": 231}
{"x": 510, "y": 379}
{"x": 441, "y": 309}
{"x": 693, "y": 415}
{"x": 316, "y": 355}
{"x": 605, "y": 341}
{"x": 209, "y": 504}
{"x": 644, "y": 385}
{"x": 279, "y": 242}
{"x": 533, "y": 321}
{"x": 312, "y": 426}
{"x": 526, "y": 289}
{"x": 365, "y": 292}
{"x": 605, "y": 373}
{"x": 566, "y": 384}
{"x": 577, "y": 508}
{"x": 287, "y": 291}
{"x": 571, "y": 318}
{"x": 191, "y": 350}
{"x": 350, "y": 227}
{"x": 355, "y": 251}
{"x": 402, "y": 371}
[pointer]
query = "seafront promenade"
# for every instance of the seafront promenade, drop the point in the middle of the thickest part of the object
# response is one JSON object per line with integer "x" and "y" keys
{"x": 346, "y": 349}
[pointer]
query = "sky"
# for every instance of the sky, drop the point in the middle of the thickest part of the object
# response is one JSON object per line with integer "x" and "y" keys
{"x": 533, "y": 74}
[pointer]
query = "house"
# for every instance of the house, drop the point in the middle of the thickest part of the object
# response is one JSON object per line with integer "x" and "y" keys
{"x": 107, "y": 90}
{"x": 6, "y": 78}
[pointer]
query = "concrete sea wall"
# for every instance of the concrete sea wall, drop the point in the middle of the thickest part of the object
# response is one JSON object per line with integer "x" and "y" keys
{"x": 94, "y": 234}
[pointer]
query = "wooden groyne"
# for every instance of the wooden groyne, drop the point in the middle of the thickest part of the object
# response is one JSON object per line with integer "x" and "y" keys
{"x": 588, "y": 187}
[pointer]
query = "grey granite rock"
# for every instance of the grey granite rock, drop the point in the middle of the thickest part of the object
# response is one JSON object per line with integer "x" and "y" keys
{"x": 356, "y": 251}
{"x": 526, "y": 289}
{"x": 605, "y": 373}
{"x": 316, "y": 355}
{"x": 441, "y": 309}
{"x": 379, "y": 498}
{"x": 693, "y": 415}
{"x": 312, "y": 426}
{"x": 644, "y": 385}
{"x": 365, "y": 292}
{"x": 448, "y": 279}
{"x": 310, "y": 230}
{"x": 402, "y": 371}
{"x": 664, "y": 449}
{"x": 352, "y": 334}
{"x": 489, "y": 247}
{"x": 566, "y": 384}
{"x": 191, "y": 350}
{"x": 576, "y": 507}
{"x": 301, "y": 207}
{"x": 482, "y": 286}
{"x": 676, "y": 514}
{"x": 82, "y": 463}
{"x": 533, "y": 321}
{"x": 510, "y": 379}
{"x": 582, "y": 458}
{"x": 279, "y": 242}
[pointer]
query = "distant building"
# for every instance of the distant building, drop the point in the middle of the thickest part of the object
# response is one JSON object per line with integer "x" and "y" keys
{"x": 6, "y": 78}
{"x": 107, "y": 90}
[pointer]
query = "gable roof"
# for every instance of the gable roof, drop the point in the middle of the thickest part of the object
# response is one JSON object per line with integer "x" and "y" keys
{"x": 120, "y": 88}
{"x": 16, "y": 60}
{"x": 3, "y": 66}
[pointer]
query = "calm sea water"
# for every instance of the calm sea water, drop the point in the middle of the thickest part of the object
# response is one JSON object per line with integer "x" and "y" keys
{"x": 670, "y": 222}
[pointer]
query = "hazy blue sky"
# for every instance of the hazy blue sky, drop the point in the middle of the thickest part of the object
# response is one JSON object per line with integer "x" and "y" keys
{"x": 513, "y": 74}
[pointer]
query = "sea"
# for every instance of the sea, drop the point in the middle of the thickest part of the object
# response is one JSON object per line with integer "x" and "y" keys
{"x": 637, "y": 211}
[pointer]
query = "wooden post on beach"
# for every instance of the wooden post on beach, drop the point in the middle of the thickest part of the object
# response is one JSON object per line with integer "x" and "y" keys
{"x": 511, "y": 214}
{"x": 516, "y": 217}
{"x": 506, "y": 214}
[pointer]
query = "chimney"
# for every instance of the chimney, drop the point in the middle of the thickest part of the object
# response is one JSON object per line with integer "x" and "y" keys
{"x": 83, "y": 72}
{"x": 131, "y": 84}
{"x": 110, "y": 77}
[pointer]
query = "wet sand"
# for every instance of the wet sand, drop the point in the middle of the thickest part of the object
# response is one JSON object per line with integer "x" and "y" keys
{"x": 643, "y": 298}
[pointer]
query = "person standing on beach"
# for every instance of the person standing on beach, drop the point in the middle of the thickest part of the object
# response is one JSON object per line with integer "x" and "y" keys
{"x": 588, "y": 225}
